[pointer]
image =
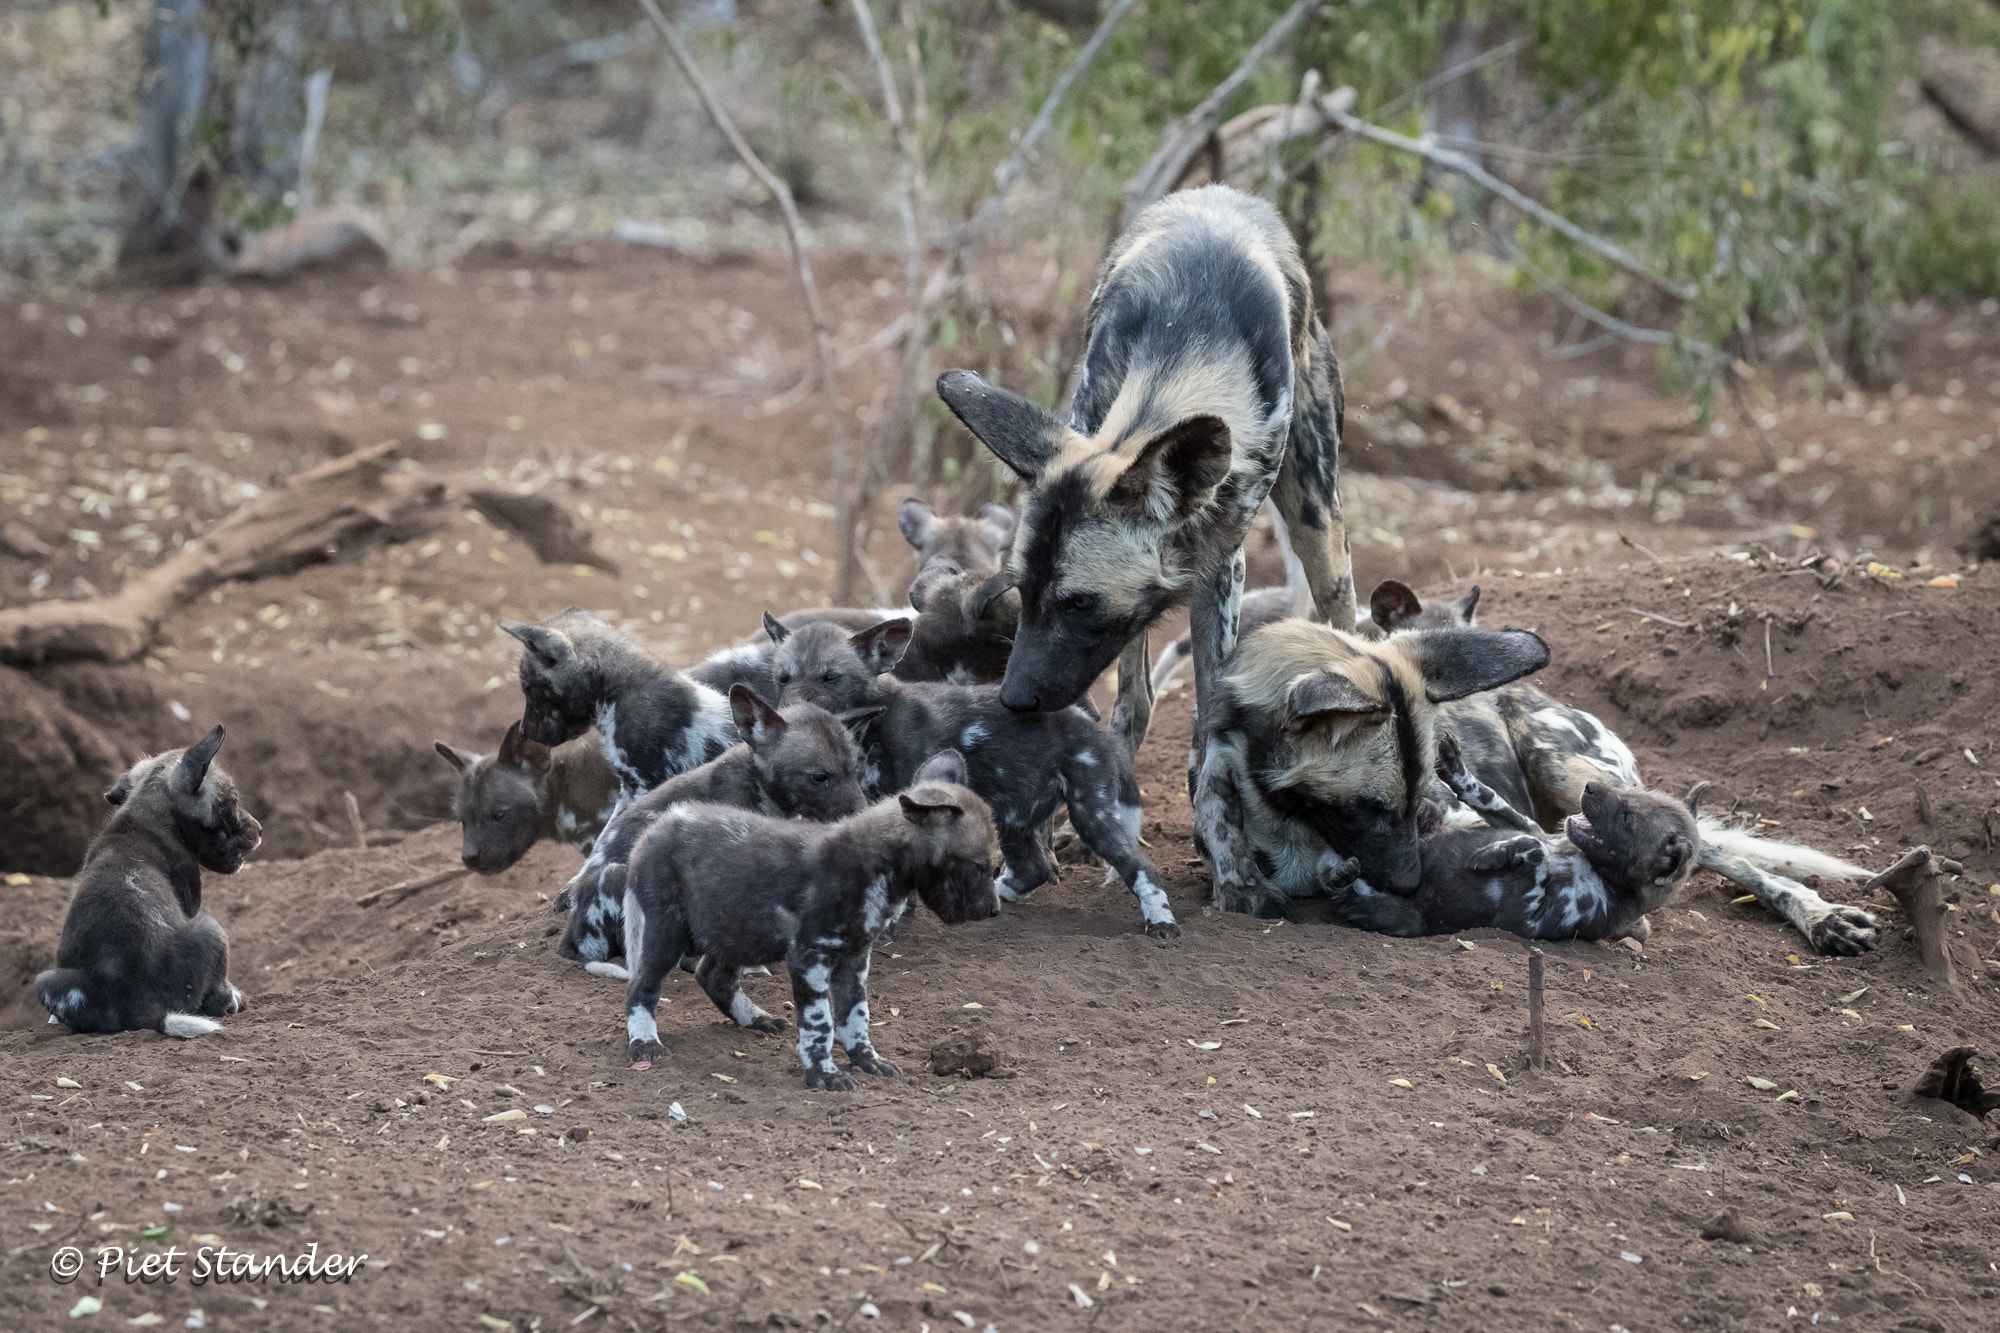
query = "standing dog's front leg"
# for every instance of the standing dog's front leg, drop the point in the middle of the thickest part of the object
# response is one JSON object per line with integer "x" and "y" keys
{"x": 1307, "y": 495}
{"x": 1132, "y": 714}
{"x": 850, "y": 1015}
{"x": 812, "y": 977}
{"x": 1213, "y": 615}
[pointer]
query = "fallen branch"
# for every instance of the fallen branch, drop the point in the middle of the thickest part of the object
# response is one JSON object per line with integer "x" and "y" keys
{"x": 325, "y": 513}
{"x": 406, "y": 888}
{"x": 843, "y": 483}
{"x": 1610, "y": 323}
{"x": 1914, "y": 882}
{"x": 556, "y": 536}
{"x": 1648, "y": 615}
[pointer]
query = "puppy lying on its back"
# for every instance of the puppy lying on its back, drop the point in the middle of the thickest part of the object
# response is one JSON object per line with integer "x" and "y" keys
{"x": 742, "y": 889}
{"x": 1621, "y": 858}
{"x": 137, "y": 951}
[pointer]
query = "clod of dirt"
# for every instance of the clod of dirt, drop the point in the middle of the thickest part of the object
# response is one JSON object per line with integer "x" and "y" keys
{"x": 17, "y": 538}
{"x": 968, "y": 1054}
{"x": 1726, "y": 1225}
{"x": 556, "y": 536}
{"x": 52, "y": 786}
{"x": 1953, "y": 1078}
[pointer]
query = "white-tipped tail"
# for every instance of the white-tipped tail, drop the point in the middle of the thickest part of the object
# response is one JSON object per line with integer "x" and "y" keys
{"x": 1169, "y": 663}
{"x": 612, "y": 970}
{"x": 1786, "y": 858}
{"x": 189, "y": 1025}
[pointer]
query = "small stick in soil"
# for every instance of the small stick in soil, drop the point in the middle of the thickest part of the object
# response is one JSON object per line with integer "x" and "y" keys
{"x": 1769, "y": 670}
{"x": 354, "y": 824}
{"x": 1643, "y": 550}
{"x": 1923, "y": 804}
{"x": 1537, "y": 1056}
{"x": 1913, "y": 882}
{"x": 1648, "y": 615}
{"x": 406, "y": 888}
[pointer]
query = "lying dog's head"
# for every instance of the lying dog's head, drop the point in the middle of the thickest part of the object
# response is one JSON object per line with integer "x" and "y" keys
{"x": 977, "y": 544}
{"x": 1353, "y": 726}
{"x": 1642, "y": 841}
{"x": 182, "y": 794}
{"x": 952, "y": 841}
{"x": 501, "y": 800}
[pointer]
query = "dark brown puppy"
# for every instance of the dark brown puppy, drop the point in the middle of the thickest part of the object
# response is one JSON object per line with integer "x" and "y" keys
{"x": 137, "y": 951}
{"x": 512, "y": 799}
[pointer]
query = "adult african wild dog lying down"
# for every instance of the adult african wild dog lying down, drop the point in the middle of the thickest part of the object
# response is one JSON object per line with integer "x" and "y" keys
{"x": 136, "y": 950}
{"x": 525, "y": 791}
{"x": 1622, "y": 856}
{"x": 1023, "y": 765}
{"x": 1207, "y": 385}
{"x": 741, "y": 889}
{"x": 652, "y": 722}
{"x": 796, "y": 764}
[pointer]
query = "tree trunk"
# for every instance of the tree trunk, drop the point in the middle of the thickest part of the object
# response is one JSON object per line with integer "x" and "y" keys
{"x": 174, "y": 85}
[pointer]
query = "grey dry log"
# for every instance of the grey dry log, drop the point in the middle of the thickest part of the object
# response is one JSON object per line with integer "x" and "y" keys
{"x": 1914, "y": 883}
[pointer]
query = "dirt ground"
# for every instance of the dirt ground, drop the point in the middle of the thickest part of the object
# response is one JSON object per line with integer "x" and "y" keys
{"x": 1276, "y": 1179}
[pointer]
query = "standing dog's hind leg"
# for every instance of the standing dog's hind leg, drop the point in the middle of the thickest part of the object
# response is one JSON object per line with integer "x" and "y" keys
{"x": 1307, "y": 494}
{"x": 1132, "y": 714}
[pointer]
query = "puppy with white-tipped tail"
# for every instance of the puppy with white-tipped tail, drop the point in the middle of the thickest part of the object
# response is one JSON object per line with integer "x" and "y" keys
{"x": 137, "y": 951}
{"x": 742, "y": 889}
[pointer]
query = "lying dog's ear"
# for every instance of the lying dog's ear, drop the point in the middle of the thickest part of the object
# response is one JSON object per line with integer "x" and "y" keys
{"x": 458, "y": 759}
{"x": 991, "y": 591}
{"x": 517, "y": 751}
{"x": 1463, "y": 607}
{"x": 1392, "y": 603}
{"x": 917, "y": 520}
{"x": 938, "y": 569}
{"x": 944, "y": 766}
{"x": 193, "y": 767}
{"x": 757, "y": 722}
{"x": 120, "y": 790}
{"x": 1694, "y": 795}
{"x": 881, "y": 646}
{"x": 1324, "y": 695}
{"x": 1457, "y": 662}
{"x": 1021, "y": 434}
{"x": 774, "y": 629}
{"x": 551, "y": 647}
{"x": 999, "y": 521}
{"x": 1675, "y": 855}
{"x": 854, "y": 719}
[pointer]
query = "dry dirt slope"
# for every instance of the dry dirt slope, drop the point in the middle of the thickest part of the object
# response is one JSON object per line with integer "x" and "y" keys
{"x": 1277, "y": 1180}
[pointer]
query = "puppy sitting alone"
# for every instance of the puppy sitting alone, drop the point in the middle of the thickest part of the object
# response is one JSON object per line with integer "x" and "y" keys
{"x": 743, "y": 890}
{"x": 1624, "y": 856}
{"x": 137, "y": 951}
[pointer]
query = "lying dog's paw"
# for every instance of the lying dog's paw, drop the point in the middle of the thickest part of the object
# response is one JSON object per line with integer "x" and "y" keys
{"x": 1844, "y": 930}
{"x": 1163, "y": 930}
{"x": 766, "y": 1023}
{"x": 238, "y": 1002}
{"x": 643, "y": 1053}
{"x": 1263, "y": 905}
{"x": 828, "y": 1080}
{"x": 561, "y": 904}
{"x": 873, "y": 1064}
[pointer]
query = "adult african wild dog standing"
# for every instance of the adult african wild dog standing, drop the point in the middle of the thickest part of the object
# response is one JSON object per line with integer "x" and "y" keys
{"x": 1208, "y": 384}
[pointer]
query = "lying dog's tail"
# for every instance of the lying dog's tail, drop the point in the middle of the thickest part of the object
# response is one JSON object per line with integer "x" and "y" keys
{"x": 1170, "y": 661}
{"x": 613, "y": 970}
{"x": 1786, "y": 858}
{"x": 188, "y": 1025}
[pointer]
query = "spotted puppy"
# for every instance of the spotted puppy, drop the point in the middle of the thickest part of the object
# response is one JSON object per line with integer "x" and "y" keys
{"x": 524, "y": 792}
{"x": 741, "y": 890}
{"x": 1622, "y": 856}
{"x": 579, "y": 671}
{"x": 1023, "y": 765}
{"x": 136, "y": 950}
{"x": 797, "y": 764}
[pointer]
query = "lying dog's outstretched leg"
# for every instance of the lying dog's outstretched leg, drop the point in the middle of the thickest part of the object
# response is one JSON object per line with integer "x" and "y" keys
{"x": 1491, "y": 806}
{"x": 1829, "y": 927}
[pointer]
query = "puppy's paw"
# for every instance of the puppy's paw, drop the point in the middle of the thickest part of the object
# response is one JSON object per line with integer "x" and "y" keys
{"x": 1264, "y": 905}
{"x": 238, "y": 1002}
{"x": 1163, "y": 931}
{"x": 828, "y": 1080}
{"x": 872, "y": 1064}
{"x": 1844, "y": 930}
{"x": 766, "y": 1023}
{"x": 643, "y": 1053}
{"x": 562, "y": 902}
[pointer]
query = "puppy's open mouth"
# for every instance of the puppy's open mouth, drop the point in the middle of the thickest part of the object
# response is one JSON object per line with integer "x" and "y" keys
{"x": 1579, "y": 830}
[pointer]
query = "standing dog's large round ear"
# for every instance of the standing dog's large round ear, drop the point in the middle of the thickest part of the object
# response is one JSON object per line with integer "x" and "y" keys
{"x": 193, "y": 767}
{"x": 1021, "y": 434}
{"x": 1693, "y": 801}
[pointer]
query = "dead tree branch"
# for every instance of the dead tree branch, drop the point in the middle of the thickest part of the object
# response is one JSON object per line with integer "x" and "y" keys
{"x": 1914, "y": 882}
{"x": 843, "y": 481}
{"x": 1609, "y": 323}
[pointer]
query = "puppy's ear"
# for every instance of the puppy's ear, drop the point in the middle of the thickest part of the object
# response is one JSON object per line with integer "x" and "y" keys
{"x": 1020, "y": 434}
{"x": 757, "y": 722}
{"x": 928, "y": 807}
{"x": 458, "y": 759}
{"x": 551, "y": 647}
{"x": 1463, "y": 608}
{"x": 1675, "y": 855}
{"x": 944, "y": 766}
{"x": 937, "y": 570}
{"x": 1324, "y": 696}
{"x": 1176, "y": 471}
{"x": 854, "y": 719}
{"x": 1393, "y": 603}
{"x": 120, "y": 790}
{"x": 193, "y": 767}
{"x": 1694, "y": 795}
{"x": 919, "y": 523}
{"x": 774, "y": 629}
{"x": 881, "y": 646}
{"x": 999, "y": 522}
{"x": 1457, "y": 662}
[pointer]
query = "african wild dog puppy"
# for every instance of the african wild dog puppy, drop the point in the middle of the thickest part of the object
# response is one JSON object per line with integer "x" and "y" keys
{"x": 652, "y": 721}
{"x": 800, "y": 763}
{"x": 1622, "y": 856}
{"x": 741, "y": 889}
{"x": 1023, "y": 765}
{"x": 512, "y": 799}
{"x": 136, "y": 950}
{"x": 1207, "y": 385}
{"x": 1325, "y": 745}
{"x": 978, "y": 545}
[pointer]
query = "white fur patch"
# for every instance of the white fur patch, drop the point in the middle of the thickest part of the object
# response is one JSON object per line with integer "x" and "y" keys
{"x": 189, "y": 1025}
{"x": 612, "y": 970}
{"x": 1152, "y": 901}
{"x": 853, "y": 1030}
{"x": 744, "y": 1010}
{"x": 639, "y": 1025}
